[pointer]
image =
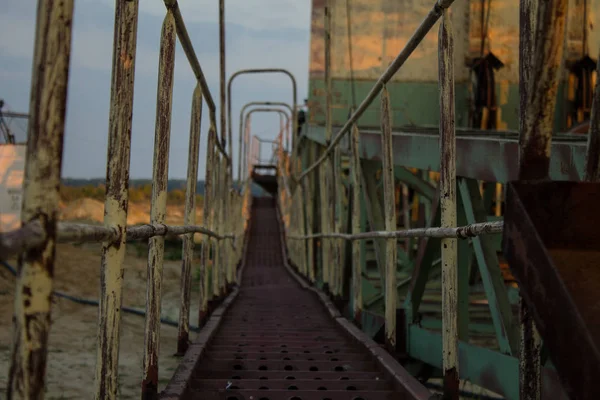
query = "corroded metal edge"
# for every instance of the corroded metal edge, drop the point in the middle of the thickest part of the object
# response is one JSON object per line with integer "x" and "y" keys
{"x": 179, "y": 383}
{"x": 388, "y": 364}
{"x": 535, "y": 272}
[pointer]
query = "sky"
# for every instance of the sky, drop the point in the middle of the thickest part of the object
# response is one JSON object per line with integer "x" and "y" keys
{"x": 259, "y": 34}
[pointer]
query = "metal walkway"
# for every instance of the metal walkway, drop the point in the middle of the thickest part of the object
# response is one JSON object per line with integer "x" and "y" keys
{"x": 278, "y": 340}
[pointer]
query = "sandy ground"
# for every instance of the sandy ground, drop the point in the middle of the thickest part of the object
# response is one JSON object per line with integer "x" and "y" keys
{"x": 90, "y": 210}
{"x": 72, "y": 343}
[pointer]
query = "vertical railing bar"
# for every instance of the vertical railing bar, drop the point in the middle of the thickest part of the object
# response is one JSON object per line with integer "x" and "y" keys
{"x": 391, "y": 293}
{"x": 216, "y": 259}
{"x": 116, "y": 202}
{"x": 339, "y": 243}
{"x": 222, "y": 80}
{"x": 33, "y": 292}
{"x": 308, "y": 203}
{"x": 449, "y": 247}
{"x": 356, "y": 215}
{"x": 205, "y": 288}
{"x": 159, "y": 205}
{"x": 222, "y": 227}
{"x": 229, "y": 224}
{"x": 249, "y": 153}
{"x": 325, "y": 181}
{"x": 189, "y": 219}
{"x": 541, "y": 57}
{"x": 406, "y": 216}
{"x": 592, "y": 161}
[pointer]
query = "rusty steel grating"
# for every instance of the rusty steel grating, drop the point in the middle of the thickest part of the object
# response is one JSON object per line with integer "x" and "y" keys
{"x": 278, "y": 342}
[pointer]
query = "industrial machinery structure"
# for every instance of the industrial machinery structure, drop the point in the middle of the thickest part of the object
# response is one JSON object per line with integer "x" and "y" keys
{"x": 427, "y": 225}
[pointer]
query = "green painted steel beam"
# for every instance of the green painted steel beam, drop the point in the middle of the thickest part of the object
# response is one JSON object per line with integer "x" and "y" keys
{"x": 483, "y": 155}
{"x": 374, "y": 211}
{"x": 484, "y": 367}
{"x": 489, "y": 267}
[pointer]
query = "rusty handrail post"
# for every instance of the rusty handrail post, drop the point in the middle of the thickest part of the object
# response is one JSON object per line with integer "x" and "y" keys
{"x": 222, "y": 218}
{"x": 116, "y": 202}
{"x": 188, "y": 49}
{"x": 189, "y": 219}
{"x": 229, "y": 213}
{"x": 541, "y": 51}
{"x": 308, "y": 183}
{"x": 249, "y": 145}
{"x": 338, "y": 244}
{"x": 449, "y": 246}
{"x": 428, "y": 22}
{"x": 159, "y": 205}
{"x": 356, "y": 214}
{"x": 325, "y": 176}
{"x": 216, "y": 217}
{"x": 33, "y": 293}
{"x": 207, "y": 242}
{"x": 390, "y": 221}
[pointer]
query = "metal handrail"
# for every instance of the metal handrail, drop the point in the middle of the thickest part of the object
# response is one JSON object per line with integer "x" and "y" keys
{"x": 262, "y": 71}
{"x": 242, "y": 122}
{"x": 263, "y": 110}
{"x": 36, "y": 239}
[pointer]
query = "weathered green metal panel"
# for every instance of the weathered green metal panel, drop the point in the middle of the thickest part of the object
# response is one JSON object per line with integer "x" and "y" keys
{"x": 416, "y": 103}
{"x": 413, "y": 103}
{"x": 484, "y": 367}
{"x": 381, "y": 28}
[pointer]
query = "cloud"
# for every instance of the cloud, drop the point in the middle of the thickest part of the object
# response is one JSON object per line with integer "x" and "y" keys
{"x": 255, "y": 39}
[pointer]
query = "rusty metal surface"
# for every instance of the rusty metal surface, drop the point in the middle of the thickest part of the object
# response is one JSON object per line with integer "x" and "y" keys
{"x": 33, "y": 293}
{"x": 448, "y": 209}
{"x": 190, "y": 219}
{"x": 116, "y": 201}
{"x": 156, "y": 245}
{"x": 552, "y": 245}
{"x": 278, "y": 342}
{"x": 391, "y": 249}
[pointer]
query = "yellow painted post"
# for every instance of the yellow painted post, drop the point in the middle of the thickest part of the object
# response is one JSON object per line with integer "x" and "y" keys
{"x": 390, "y": 221}
{"x": 207, "y": 242}
{"x": 222, "y": 227}
{"x": 33, "y": 293}
{"x": 356, "y": 214}
{"x": 216, "y": 257}
{"x": 189, "y": 219}
{"x": 448, "y": 209}
{"x": 116, "y": 202}
{"x": 326, "y": 170}
{"x": 156, "y": 245}
{"x": 339, "y": 243}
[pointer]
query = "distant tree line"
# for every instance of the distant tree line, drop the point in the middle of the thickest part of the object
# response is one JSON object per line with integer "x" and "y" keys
{"x": 140, "y": 190}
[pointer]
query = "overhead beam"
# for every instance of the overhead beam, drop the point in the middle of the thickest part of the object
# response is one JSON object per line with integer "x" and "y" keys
{"x": 490, "y": 157}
